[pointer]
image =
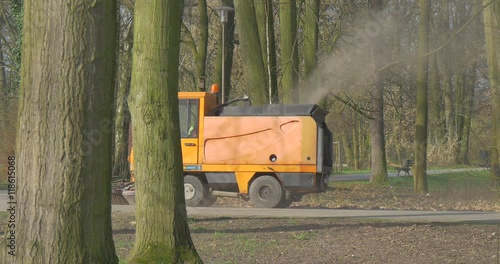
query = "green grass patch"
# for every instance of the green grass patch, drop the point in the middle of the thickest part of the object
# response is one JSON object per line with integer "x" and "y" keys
{"x": 348, "y": 172}
{"x": 437, "y": 182}
{"x": 444, "y": 182}
{"x": 218, "y": 235}
{"x": 304, "y": 236}
{"x": 452, "y": 167}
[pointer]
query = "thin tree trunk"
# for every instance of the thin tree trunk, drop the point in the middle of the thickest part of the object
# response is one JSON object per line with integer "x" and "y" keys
{"x": 378, "y": 157}
{"x": 289, "y": 51}
{"x": 468, "y": 112}
{"x": 447, "y": 79}
{"x": 348, "y": 149}
{"x": 254, "y": 73}
{"x": 272, "y": 64}
{"x": 460, "y": 105}
{"x": 436, "y": 100}
{"x": 228, "y": 50}
{"x": 122, "y": 114}
{"x": 65, "y": 129}
{"x": 162, "y": 233}
{"x": 3, "y": 81}
{"x": 356, "y": 143}
{"x": 201, "y": 55}
{"x": 420, "y": 167}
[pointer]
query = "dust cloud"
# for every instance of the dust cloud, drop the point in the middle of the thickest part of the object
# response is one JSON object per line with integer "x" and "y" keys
{"x": 350, "y": 68}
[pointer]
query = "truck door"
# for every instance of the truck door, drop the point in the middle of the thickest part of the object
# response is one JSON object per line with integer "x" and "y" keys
{"x": 189, "y": 112}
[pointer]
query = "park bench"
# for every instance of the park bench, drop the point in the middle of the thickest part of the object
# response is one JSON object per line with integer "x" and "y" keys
{"x": 406, "y": 167}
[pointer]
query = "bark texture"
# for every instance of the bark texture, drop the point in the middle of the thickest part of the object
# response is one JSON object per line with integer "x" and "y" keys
{"x": 491, "y": 31}
{"x": 162, "y": 233}
{"x": 265, "y": 23}
{"x": 420, "y": 167}
{"x": 378, "y": 157}
{"x": 254, "y": 74}
{"x": 447, "y": 79}
{"x": 311, "y": 25}
{"x": 122, "y": 114}
{"x": 201, "y": 54}
{"x": 65, "y": 126}
{"x": 289, "y": 51}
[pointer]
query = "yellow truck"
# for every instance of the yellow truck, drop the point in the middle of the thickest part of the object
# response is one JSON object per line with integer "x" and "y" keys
{"x": 272, "y": 154}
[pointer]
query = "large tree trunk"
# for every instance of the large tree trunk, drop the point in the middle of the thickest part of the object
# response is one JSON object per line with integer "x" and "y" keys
{"x": 265, "y": 22}
{"x": 289, "y": 51}
{"x": 228, "y": 50}
{"x": 377, "y": 135}
{"x": 491, "y": 31}
{"x": 420, "y": 167}
{"x": 162, "y": 233}
{"x": 64, "y": 140}
{"x": 254, "y": 74}
{"x": 311, "y": 25}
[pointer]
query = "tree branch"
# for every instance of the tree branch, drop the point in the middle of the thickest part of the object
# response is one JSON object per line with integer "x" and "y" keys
{"x": 352, "y": 105}
{"x": 394, "y": 63}
{"x": 129, "y": 4}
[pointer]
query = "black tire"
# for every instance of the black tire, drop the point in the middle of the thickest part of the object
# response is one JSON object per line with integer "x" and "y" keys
{"x": 194, "y": 191}
{"x": 208, "y": 200}
{"x": 266, "y": 192}
{"x": 285, "y": 203}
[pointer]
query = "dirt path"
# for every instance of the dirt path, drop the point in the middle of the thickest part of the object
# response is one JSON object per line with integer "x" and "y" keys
{"x": 326, "y": 240}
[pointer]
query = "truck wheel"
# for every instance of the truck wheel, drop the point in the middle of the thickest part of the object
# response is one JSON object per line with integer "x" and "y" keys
{"x": 208, "y": 200}
{"x": 285, "y": 203}
{"x": 194, "y": 190}
{"x": 266, "y": 192}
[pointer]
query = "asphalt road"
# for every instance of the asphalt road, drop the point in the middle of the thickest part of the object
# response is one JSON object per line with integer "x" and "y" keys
{"x": 431, "y": 216}
{"x": 366, "y": 176}
{"x": 428, "y": 216}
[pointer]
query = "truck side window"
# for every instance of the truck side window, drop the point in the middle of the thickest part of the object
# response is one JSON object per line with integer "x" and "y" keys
{"x": 188, "y": 117}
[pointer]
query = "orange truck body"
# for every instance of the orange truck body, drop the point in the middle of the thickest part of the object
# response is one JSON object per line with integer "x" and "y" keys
{"x": 231, "y": 147}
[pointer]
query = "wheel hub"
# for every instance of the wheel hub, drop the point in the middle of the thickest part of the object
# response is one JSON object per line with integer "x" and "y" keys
{"x": 189, "y": 191}
{"x": 265, "y": 192}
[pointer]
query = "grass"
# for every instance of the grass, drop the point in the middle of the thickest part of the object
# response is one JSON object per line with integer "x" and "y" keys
{"x": 446, "y": 181}
{"x": 392, "y": 169}
{"x": 218, "y": 235}
{"x": 348, "y": 171}
{"x": 452, "y": 167}
{"x": 436, "y": 182}
{"x": 458, "y": 190}
{"x": 304, "y": 236}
